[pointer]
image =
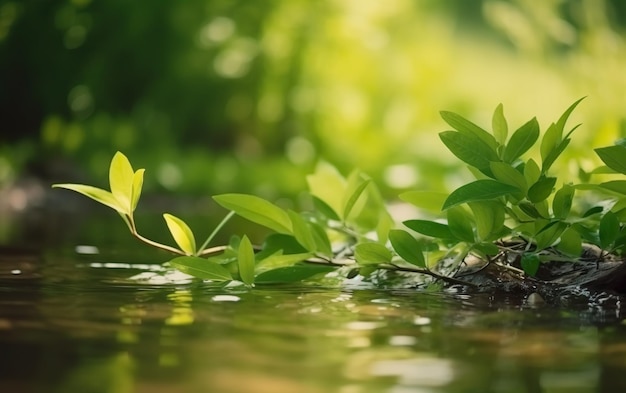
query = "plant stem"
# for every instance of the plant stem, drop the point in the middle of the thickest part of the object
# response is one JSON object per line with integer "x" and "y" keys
{"x": 133, "y": 230}
{"x": 219, "y": 226}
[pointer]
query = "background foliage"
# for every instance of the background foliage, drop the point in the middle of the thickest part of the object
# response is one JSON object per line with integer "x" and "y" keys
{"x": 238, "y": 96}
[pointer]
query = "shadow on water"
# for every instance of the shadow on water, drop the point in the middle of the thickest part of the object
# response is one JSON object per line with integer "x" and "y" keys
{"x": 78, "y": 319}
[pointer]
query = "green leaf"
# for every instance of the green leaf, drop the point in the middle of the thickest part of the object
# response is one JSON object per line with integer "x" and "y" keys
{"x": 327, "y": 184}
{"x": 541, "y": 189}
{"x": 489, "y": 219}
{"x": 137, "y": 186}
{"x": 549, "y": 234}
{"x": 430, "y": 228}
{"x": 478, "y": 190}
{"x": 289, "y": 274}
{"x": 278, "y": 259}
{"x": 460, "y": 224}
{"x": 257, "y": 210}
{"x": 353, "y": 197}
{"x": 530, "y": 264}
{"x": 245, "y": 260}
{"x": 469, "y": 149}
{"x": 371, "y": 253}
{"x": 521, "y": 140}
{"x": 530, "y": 210}
{"x": 531, "y": 171}
{"x": 614, "y": 157}
{"x": 407, "y": 247}
{"x": 121, "y": 179}
{"x": 562, "y": 203}
{"x": 609, "y": 229}
{"x": 571, "y": 243}
{"x": 97, "y": 194}
{"x": 201, "y": 268}
{"x": 428, "y": 200}
{"x": 506, "y": 174}
{"x": 322, "y": 208}
{"x": 320, "y": 237}
{"x": 181, "y": 233}
{"x": 499, "y": 125}
{"x": 466, "y": 127}
{"x": 301, "y": 231}
{"x": 618, "y": 186}
{"x": 487, "y": 248}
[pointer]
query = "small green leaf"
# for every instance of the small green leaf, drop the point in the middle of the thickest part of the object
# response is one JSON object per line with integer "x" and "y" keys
{"x": 407, "y": 247}
{"x": 506, "y": 174}
{"x": 245, "y": 260}
{"x": 549, "y": 234}
{"x": 478, "y": 190}
{"x": 530, "y": 264}
{"x": 571, "y": 243}
{"x": 460, "y": 224}
{"x": 279, "y": 259}
{"x": 301, "y": 231}
{"x": 201, "y": 268}
{"x": 121, "y": 179}
{"x": 530, "y": 210}
{"x": 137, "y": 186}
{"x": 257, "y": 210}
{"x": 289, "y": 274}
{"x": 428, "y": 200}
{"x": 320, "y": 237}
{"x": 541, "y": 189}
{"x": 469, "y": 149}
{"x": 499, "y": 125}
{"x": 609, "y": 229}
{"x": 562, "y": 203}
{"x": 97, "y": 194}
{"x": 487, "y": 248}
{"x": 327, "y": 184}
{"x": 465, "y": 126}
{"x": 354, "y": 197}
{"x": 489, "y": 218}
{"x": 614, "y": 157}
{"x": 521, "y": 140}
{"x": 531, "y": 171}
{"x": 430, "y": 228}
{"x": 181, "y": 233}
{"x": 371, "y": 253}
{"x": 322, "y": 208}
{"x": 592, "y": 211}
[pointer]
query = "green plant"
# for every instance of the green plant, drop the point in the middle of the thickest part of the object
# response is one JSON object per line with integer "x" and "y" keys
{"x": 513, "y": 212}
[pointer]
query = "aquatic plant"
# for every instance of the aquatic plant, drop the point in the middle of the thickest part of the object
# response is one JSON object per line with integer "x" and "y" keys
{"x": 515, "y": 213}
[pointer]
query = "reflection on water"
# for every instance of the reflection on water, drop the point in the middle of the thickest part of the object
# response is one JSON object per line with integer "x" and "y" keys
{"x": 78, "y": 323}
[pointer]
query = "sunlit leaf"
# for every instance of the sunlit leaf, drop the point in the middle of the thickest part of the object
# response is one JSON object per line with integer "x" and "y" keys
{"x": 182, "y": 234}
{"x": 278, "y": 260}
{"x": 320, "y": 237}
{"x": 531, "y": 172}
{"x": 489, "y": 218}
{"x": 430, "y": 228}
{"x": 137, "y": 186}
{"x": 371, "y": 253}
{"x": 609, "y": 229}
{"x": 407, "y": 247}
{"x": 506, "y": 174}
{"x": 325, "y": 210}
{"x": 521, "y": 140}
{"x": 466, "y": 127}
{"x": 289, "y": 274}
{"x": 614, "y": 157}
{"x": 385, "y": 223}
{"x": 302, "y": 231}
{"x": 554, "y": 154}
{"x": 257, "y": 210}
{"x": 541, "y": 189}
{"x": 478, "y": 190}
{"x": 245, "y": 260}
{"x": 562, "y": 202}
{"x": 201, "y": 268}
{"x": 460, "y": 224}
{"x": 530, "y": 264}
{"x": 429, "y": 200}
{"x": 469, "y": 149}
{"x": 328, "y": 185}
{"x": 499, "y": 125}
{"x": 97, "y": 194}
{"x": 354, "y": 195}
{"x": 121, "y": 179}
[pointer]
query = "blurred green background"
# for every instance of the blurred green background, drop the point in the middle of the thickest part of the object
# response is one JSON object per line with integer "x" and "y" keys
{"x": 219, "y": 96}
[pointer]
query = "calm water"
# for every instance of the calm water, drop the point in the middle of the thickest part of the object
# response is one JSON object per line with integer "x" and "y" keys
{"x": 75, "y": 319}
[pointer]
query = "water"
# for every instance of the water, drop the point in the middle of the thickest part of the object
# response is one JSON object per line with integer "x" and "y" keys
{"x": 73, "y": 322}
